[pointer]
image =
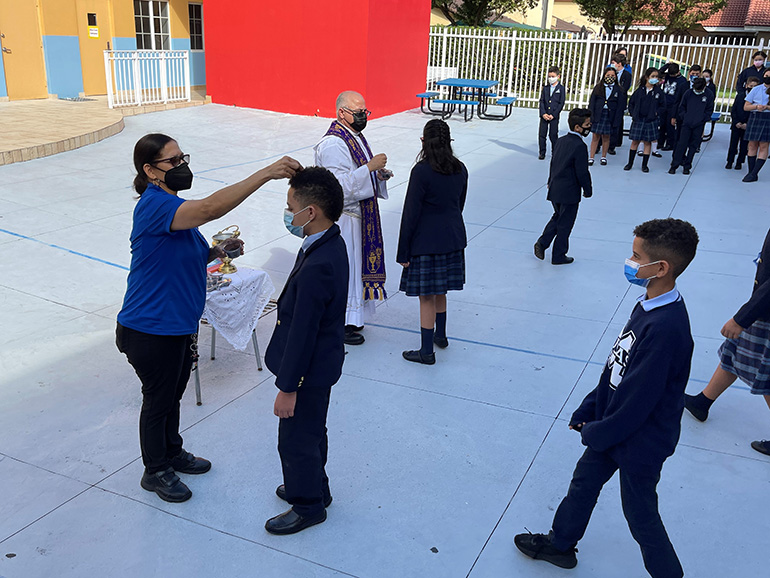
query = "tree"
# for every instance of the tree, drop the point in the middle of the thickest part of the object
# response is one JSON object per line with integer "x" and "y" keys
{"x": 479, "y": 12}
{"x": 619, "y": 15}
{"x": 680, "y": 16}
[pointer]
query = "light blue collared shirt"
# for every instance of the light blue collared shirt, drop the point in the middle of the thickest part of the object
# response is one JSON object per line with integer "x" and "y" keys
{"x": 660, "y": 300}
{"x": 310, "y": 239}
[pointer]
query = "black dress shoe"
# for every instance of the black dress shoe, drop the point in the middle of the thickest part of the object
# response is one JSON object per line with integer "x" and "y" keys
{"x": 611, "y": 151}
{"x": 762, "y": 446}
{"x": 628, "y": 167}
{"x": 280, "y": 491}
{"x": 167, "y": 485}
{"x": 541, "y": 157}
{"x": 656, "y": 154}
{"x": 418, "y": 357}
{"x": 672, "y": 171}
{"x": 539, "y": 251}
{"x": 186, "y": 463}
{"x": 353, "y": 338}
{"x": 565, "y": 261}
{"x": 686, "y": 172}
{"x": 738, "y": 166}
{"x": 441, "y": 342}
{"x": 729, "y": 165}
{"x": 645, "y": 169}
{"x": 667, "y": 148}
{"x": 290, "y": 522}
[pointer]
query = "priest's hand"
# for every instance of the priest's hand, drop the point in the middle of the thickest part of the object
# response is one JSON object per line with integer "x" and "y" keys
{"x": 378, "y": 162}
{"x": 284, "y": 404}
{"x": 731, "y": 329}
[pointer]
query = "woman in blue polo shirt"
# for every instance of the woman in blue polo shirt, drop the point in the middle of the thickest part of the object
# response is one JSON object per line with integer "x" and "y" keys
{"x": 158, "y": 324}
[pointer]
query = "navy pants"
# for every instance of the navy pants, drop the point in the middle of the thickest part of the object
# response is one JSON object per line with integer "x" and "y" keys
{"x": 690, "y": 138}
{"x": 548, "y": 128}
{"x": 163, "y": 364}
{"x": 640, "y": 507}
{"x": 559, "y": 227}
{"x": 737, "y": 146}
{"x": 616, "y": 139}
{"x": 668, "y": 134}
{"x": 303, "y": 446}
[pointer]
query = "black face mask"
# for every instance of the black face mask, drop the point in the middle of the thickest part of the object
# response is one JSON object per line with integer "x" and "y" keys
{"x": 766, "y": 80}
{"x": 179, "y": 178}
{"x": 359, "y": 121}
{"x": 585, "y": 131}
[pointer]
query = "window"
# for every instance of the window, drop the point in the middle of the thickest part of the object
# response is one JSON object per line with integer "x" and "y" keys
{"x": 196, "y": 26}
{"x": 152, "y": 28}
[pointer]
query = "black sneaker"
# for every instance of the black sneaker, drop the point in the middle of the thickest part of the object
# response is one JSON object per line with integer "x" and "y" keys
{"x": 762, "y": 446}
{"x": 697, "y": 412}
{"x": 186, "y": 463}
{"x": 417, "y": 357}
{"x": 539, "y": 547}
{"x": 167, "y": 485}
{"x": 539, "y": 251}
{"x": 541, "y": 157}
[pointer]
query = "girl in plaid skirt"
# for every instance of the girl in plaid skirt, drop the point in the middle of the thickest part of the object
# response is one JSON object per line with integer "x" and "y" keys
{"x": 647, "y": 107}
{"x": 745, "y": 355}
{"x": 607, "y": 105}
{"x": 758, "y": 127}
{"x": 432, "y": 240}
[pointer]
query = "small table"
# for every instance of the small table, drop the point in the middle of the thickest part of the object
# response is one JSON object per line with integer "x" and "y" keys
{"x": 234, "y": 312}
{"x": 479, "y": 91}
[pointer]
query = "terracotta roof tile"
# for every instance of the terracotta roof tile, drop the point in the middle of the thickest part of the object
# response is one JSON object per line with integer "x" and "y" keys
{"x": 731, "y": 16}
{"x": 759, "y": 13}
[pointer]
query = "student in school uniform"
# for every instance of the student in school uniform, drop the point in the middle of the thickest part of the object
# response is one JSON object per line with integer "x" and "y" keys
{"x": 694, "y": 72}
{"x": 674, "y": 88}
{"x": 647, "y": 106}
{"x": 708, "y": 76}
{"x": 758, "y": 67}
{"x": 307, "y": 348}
{"x": 694, "y": 111}
{"x": 551, "y": 104}
{"x": 607, "y": 104}
{"x": 758, "y": 128}
{"x": 624, "y": 81}
{"x": 739, "y": 117}
{"x": 627, "y": 66}
{"x": 631, "y": 422}
{"x": 569, "y": 176}
{"x": 432, "y": 239}
{"x": 745, "y": 354}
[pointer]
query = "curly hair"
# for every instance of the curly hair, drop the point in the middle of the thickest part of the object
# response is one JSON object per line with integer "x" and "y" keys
{"x": 671, "y": 240}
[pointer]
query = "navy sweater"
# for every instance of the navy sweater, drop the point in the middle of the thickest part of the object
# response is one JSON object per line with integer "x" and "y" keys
{"x": 647, "y": 106}
{"x": 696, "y": 109}
{"x": 674, "y": 88}
{"x": 737, "y": 114}
{"x": 634, "y": 413}
{"x": 758, "y": 307}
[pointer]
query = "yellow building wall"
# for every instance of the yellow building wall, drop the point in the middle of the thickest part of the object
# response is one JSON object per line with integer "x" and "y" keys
{"x": 59, "y": 17}
{"x": 570, "y": 12}
{"x": 123, "y": 25}
{"x": 179, "y": 18}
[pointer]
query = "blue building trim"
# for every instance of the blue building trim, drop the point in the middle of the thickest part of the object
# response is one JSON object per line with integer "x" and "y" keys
{"x": 124, "y": 43}
{"x": 62, "y": 65}
{"x": 197, "y": 61}
{"x": 3, "y": 89}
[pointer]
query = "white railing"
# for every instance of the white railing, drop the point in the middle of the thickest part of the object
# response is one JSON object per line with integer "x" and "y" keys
{"x": 519, "y": 60}
{"x": 139, "y": 77}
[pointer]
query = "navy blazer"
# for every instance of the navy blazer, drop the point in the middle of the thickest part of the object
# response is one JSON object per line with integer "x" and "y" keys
{"x": 307, "y": 347}
{"x": 745, "y": 75}
{"x": 569, "y": 170}
{"x": 432, "y": 219}
{"x": 695, "y": 109}
{"x": 737, "y": 112}
{"x": 674, "y": 89}
{"x": 616, "y": 104}
{"x": 625, "y": 80}
{"x": 552, "y": 104}
{"x": 647, "y": 106}
{"x": 758, "y": 307}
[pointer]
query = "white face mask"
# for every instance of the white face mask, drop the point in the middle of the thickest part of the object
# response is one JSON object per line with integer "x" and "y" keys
{"x": 759, "y": 63}
{"x": 552, "y": 80}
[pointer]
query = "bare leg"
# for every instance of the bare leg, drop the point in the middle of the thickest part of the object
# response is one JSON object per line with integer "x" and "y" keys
{"x": 428, "y": 311}
{"x": 767, "y": 400}
{"x": 634, "y": 145}
{"x": 605, "y": 145}
{"x": 753, "y": 148}
{"x": 647, "y": 148}
{"x": 594, "y": 144}
{"x": 762, "y": 150}
{"x": 719, "y": 383}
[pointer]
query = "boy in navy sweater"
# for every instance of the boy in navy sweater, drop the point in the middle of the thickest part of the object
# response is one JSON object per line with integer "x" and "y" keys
{"x": 739, "y": 119}
{"x": 694, "y": 112}
{"x": 631, "y": 421}
{"x": 552, "y": 99}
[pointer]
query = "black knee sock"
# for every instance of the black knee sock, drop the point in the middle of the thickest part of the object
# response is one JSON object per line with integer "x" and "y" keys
{"x": 702, "y": 402}
{"x": 752, "y": 161}
{"x": 441, "y": 325}
{"x": 426, "y": 340}
{"x": 758, "y": 166}
{"x": 645, "y": 160}
{"x": 631, "y": 157}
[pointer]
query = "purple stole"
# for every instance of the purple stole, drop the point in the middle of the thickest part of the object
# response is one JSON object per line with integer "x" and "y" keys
{"x": 373, "y": 266}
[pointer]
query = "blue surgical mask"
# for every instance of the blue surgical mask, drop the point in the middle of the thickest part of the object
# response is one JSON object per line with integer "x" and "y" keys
{"x": 632, "y": 268}
{"x": 698, "y": 91}
{"x": 296, "y": 230}
{"x": 654, "y": 81}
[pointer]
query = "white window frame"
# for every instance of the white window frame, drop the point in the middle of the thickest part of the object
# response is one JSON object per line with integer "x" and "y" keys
{"x": 203, "y": 31}
{"x": 165, "y": 37}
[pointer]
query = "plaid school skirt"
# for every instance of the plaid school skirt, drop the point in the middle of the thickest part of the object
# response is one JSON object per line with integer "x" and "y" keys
{"x": 644, "y": 130}
{"x": 434, "y": 274}
{"x": 758, "y": 127}
{"x": 603, "y": 125}
{"x": 748, "y": 357}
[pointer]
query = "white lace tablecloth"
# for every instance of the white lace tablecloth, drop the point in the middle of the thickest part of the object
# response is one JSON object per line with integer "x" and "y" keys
{"x": 234, "y": 310}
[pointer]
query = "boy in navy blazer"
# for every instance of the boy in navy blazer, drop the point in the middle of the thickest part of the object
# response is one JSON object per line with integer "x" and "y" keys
{"x": 568, "y": 177}
{"x": 624, "y": 81}
{"x": 631, "y": 421}
{"x": 552, "y": 99}
{"x": 307, "y": 350}
{"x": 694, "y": 112}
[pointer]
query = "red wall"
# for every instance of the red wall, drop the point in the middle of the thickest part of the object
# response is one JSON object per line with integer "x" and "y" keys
{"x": 297, "y": 55}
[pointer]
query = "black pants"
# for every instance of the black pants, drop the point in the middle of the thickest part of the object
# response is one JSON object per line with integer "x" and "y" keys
{"x": 689, "y": 141}
{"x": 640, "y": 507}
{"x": 163, "y": 364}
{"x": 549, "y": 128}
{"x": 616, "y": 139}
{"x": 737, "y": 143}
{"x": 668, "y": 133}
{"x": 303, "y": 446}
{"x": 560, "y": 227}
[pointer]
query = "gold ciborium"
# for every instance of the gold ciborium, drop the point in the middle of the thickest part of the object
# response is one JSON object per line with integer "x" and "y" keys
{"x": 223, "y": 235}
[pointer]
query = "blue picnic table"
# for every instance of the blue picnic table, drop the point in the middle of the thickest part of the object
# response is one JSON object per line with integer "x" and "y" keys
{"x": 466, "y": 94}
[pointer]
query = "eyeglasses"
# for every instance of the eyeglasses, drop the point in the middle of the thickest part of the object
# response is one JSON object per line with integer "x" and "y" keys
{"x": 175, "y": 161}
{"x": 364, "y": 110}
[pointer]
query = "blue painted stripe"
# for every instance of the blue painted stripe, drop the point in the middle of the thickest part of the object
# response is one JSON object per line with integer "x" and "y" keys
{"x": 3, "y": 89}
{"x": 125, "y": 43}
{"x": 70, "y": 251}
{"x": 62, "y": 65}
